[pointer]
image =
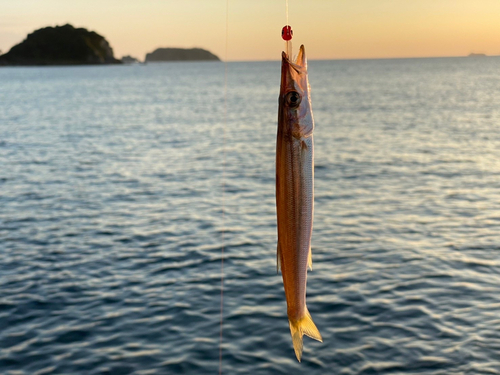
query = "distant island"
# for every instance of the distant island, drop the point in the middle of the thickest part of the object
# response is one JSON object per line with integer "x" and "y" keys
{"x": 477, "y": 55}
{"x": 67, "y": 45}
{"x": 180, "y": 54}
{"x": 61, "y": 45}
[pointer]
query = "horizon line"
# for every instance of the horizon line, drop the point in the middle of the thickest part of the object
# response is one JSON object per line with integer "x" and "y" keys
{"x": 372, "y": 58}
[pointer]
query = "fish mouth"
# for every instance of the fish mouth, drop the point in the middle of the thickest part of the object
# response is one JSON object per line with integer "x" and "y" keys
{"x": 300, "y": 62}
{"x": 293, "y": 73}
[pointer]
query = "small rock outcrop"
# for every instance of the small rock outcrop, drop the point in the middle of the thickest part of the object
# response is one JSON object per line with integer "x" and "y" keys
{"x": 181, "y": 54}
{"x": 61, "y": 45}
{"x": 129, "y": 60}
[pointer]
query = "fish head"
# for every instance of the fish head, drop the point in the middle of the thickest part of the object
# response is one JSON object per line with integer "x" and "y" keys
{"x": 295, "y": 109}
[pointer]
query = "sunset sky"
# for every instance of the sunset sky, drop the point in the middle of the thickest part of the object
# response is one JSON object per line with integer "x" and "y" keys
{"x": 330, "y": 29}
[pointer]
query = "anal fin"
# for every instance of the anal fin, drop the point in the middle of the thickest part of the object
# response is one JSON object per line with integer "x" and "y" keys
{"x": 278, "y": 258}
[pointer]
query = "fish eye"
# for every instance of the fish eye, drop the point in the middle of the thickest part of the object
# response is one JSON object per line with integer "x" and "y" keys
{"x": 292, "y": 99}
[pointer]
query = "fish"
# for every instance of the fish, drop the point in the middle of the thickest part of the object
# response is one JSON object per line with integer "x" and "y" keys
{"x": 295, "y": 194}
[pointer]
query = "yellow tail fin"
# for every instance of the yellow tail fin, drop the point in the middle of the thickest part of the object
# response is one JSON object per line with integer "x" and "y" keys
{"x": 304, "y": 326}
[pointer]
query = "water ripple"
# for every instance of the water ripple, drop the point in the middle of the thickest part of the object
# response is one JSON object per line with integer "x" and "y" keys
{"x": 111, "y": 220}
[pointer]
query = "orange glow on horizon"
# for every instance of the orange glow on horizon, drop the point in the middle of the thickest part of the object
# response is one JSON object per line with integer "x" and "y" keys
{"x": 338, "y": 29}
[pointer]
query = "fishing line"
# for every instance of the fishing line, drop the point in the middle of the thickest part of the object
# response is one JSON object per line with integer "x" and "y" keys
{"x": 286, "y": 11}
{"x": 223, "y": 194}
{"x": 287, "y": 33}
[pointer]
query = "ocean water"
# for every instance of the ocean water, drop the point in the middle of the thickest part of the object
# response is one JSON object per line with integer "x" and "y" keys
{"x": 111, "y": 219}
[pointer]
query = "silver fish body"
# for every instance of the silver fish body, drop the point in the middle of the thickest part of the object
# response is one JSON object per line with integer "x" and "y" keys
{"x": 295, "y": 193}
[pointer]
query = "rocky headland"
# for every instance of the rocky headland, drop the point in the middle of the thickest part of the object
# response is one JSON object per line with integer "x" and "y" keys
{"x": 61, "y": 45}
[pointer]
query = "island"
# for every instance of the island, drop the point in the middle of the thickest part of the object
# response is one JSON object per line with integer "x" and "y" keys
{"x": 61, "y": 45}
{"x": 180, "y": 54}
{"x": 476, "y": 55}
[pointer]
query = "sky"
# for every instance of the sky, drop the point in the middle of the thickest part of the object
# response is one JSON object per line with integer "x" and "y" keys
{"x": 330, "y": 29}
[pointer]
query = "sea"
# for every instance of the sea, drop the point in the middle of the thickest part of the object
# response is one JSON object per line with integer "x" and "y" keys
{"x": 130, "y": 195}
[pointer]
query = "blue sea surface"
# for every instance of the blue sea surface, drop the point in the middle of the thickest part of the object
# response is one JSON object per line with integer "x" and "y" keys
{"x": 119, "y": 185}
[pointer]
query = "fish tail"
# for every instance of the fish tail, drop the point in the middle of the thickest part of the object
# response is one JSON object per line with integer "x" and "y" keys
{"x": 301, "y": 327}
